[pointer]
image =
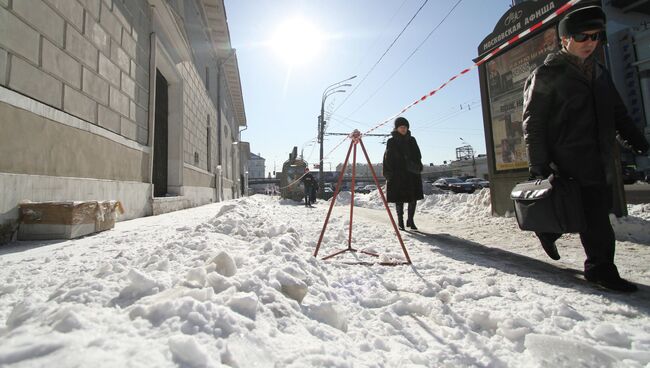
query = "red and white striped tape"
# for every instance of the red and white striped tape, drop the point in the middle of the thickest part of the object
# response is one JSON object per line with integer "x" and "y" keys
{"x": 487, "y": 57}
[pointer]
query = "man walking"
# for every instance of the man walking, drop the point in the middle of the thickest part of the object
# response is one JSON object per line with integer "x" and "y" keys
{"x": 572, "y": 114}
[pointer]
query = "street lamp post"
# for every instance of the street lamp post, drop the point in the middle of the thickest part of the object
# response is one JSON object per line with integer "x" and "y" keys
{"x": 321, "y": 127}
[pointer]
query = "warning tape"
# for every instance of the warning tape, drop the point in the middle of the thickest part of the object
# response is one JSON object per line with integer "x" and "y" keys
{"x": 487, "y": 57}
{"x": 293, "y": 182}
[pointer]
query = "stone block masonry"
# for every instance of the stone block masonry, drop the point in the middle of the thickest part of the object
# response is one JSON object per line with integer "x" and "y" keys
{"x": 81, "y": 48}
{"x": 72, "y": 11}
{"x": 82, "y": 56}
{"x": 110, "y": 23}
{"x": 98, "y": 35}
{"x": 109, "y": 119}
{"x": 31, "y": 81}
{"x": 60, "y": 64}
{"x": 78, "y": 104}
{"x": 18, "y": 37}
{"x": 40, "y": 16}
{"x": 128, "y": 129}
{"x": 120, "y": 57}
{"x": 95, "y": 86}
{"x": 3, "y": 66}
{"x": 109, "y": 70}
{"x": 119, "y": 101}
{"x": 92, "y": 7}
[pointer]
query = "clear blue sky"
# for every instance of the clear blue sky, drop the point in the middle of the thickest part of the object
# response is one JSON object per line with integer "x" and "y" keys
{"x": 283, "y": 101}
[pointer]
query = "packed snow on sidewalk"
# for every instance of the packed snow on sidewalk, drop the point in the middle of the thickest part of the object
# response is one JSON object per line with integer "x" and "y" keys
{"x": 235, "y": 284}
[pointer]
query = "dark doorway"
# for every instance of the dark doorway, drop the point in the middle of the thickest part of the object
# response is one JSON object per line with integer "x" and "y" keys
{"x": 161, "y": 135}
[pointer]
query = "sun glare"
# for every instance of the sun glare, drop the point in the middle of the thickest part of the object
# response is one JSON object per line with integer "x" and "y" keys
{"x": 297, "y": 41}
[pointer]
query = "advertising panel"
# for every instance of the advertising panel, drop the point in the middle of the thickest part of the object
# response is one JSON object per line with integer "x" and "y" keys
{"x": 506, "y": 75}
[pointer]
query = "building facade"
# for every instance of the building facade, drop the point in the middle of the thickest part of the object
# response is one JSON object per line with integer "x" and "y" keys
{"x": 138, "y": 101}
{"x": 256, "y": 166}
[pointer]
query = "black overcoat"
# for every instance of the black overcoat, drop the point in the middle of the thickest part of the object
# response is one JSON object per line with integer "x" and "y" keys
{"x": 401, "y": 184}
{"x": 572, "y": 121}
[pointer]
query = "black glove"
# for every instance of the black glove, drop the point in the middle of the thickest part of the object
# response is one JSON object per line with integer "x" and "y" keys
{"x": 642, "y": 148}
{"x": 638, "y": 144}
{"x": 540, "y": 171}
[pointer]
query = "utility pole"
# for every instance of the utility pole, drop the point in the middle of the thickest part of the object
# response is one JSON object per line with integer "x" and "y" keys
{"x": 321, "y": 127}
{"x": 321, "y": 131}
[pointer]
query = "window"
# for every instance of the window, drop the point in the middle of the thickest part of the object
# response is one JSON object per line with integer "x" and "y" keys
{"x": 207, "y": 78}
{"x": 209, "y": 146}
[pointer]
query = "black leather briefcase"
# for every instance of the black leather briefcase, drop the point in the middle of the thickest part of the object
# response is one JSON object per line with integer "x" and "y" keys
{"x": 550, "y": 205}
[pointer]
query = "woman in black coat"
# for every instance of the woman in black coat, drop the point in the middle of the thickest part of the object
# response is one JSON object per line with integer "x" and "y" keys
{"x": 402, "y": 167}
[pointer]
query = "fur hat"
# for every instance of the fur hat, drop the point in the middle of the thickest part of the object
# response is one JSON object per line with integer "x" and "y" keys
{"x": 584, "y": 19}
{"x": 401, "y": 121}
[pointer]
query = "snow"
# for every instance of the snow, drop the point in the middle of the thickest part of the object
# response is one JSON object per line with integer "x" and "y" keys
{"x": 236, "y": 284}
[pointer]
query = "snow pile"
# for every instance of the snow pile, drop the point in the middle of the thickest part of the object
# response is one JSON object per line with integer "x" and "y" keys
{"x": 636, "y": 226}
{"x": 476, "y": 208}
{"x": 460, "y": 206}
{"x": 235, "y": 284}
{"x": 369, "y": 200}
{"x": 454, "y": 205}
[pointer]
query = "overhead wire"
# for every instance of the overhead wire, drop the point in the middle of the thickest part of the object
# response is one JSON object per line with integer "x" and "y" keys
{"x": 489, "y": 56}
{"x": 442, "y": 119}
{"x": 380, "y": 35}
{"x": 406, "y": 60}
{"x": 382, "y": 56}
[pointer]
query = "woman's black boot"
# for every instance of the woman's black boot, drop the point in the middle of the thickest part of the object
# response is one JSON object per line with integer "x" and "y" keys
{"x": 409, "y": 221}
{"x": 400, "y": 215}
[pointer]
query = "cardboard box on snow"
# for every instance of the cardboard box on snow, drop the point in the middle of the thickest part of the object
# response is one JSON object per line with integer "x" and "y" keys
{"x": 66, "y": 220}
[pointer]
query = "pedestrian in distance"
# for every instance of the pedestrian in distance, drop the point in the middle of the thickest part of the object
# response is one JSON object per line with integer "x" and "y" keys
{"x": 572, "y": 115}
{"x": 308, "y": 182}
{"x": 314, "y": 190}
{"x": 402, "y": 168}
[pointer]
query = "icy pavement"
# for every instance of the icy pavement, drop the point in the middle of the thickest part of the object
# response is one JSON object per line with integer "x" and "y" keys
{"x": 235, "y": 284}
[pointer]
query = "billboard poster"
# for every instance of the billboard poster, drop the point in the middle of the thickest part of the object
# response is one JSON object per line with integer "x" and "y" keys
{"x": 506, "y": 76}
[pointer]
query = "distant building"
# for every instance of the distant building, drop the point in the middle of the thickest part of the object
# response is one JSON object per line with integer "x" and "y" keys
{"x": 362, "y": 170}
{"x": 475, "y": 167}
{"x": 256, "y": 166}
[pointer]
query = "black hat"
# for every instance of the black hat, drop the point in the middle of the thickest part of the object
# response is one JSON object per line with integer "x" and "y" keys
{"x": 583, "y": 19}
{"x": 401, "y": 121}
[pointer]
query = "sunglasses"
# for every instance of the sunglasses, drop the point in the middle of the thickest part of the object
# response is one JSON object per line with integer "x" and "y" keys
{"x": 582, "y": 37}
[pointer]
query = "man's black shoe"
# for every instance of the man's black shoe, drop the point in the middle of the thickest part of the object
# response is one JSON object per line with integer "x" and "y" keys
{"x": 548, "y": 243}
{"x": 616, "y": 284}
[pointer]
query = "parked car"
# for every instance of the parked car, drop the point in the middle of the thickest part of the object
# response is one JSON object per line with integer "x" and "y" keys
{"x": 369, "y": 188}
{"x": 327, "y": 193}
{"x": 455, "y": 185}
{"x": 478, "y": 183}
{"x": 365, "y": 189}
{"x": 359, "y": 189}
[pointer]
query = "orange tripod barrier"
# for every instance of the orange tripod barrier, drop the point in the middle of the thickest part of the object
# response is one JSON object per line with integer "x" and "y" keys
{"x": 356, "y": 140}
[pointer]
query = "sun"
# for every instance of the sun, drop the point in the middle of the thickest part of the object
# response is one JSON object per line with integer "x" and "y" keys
{"x": 297, "y": 41}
